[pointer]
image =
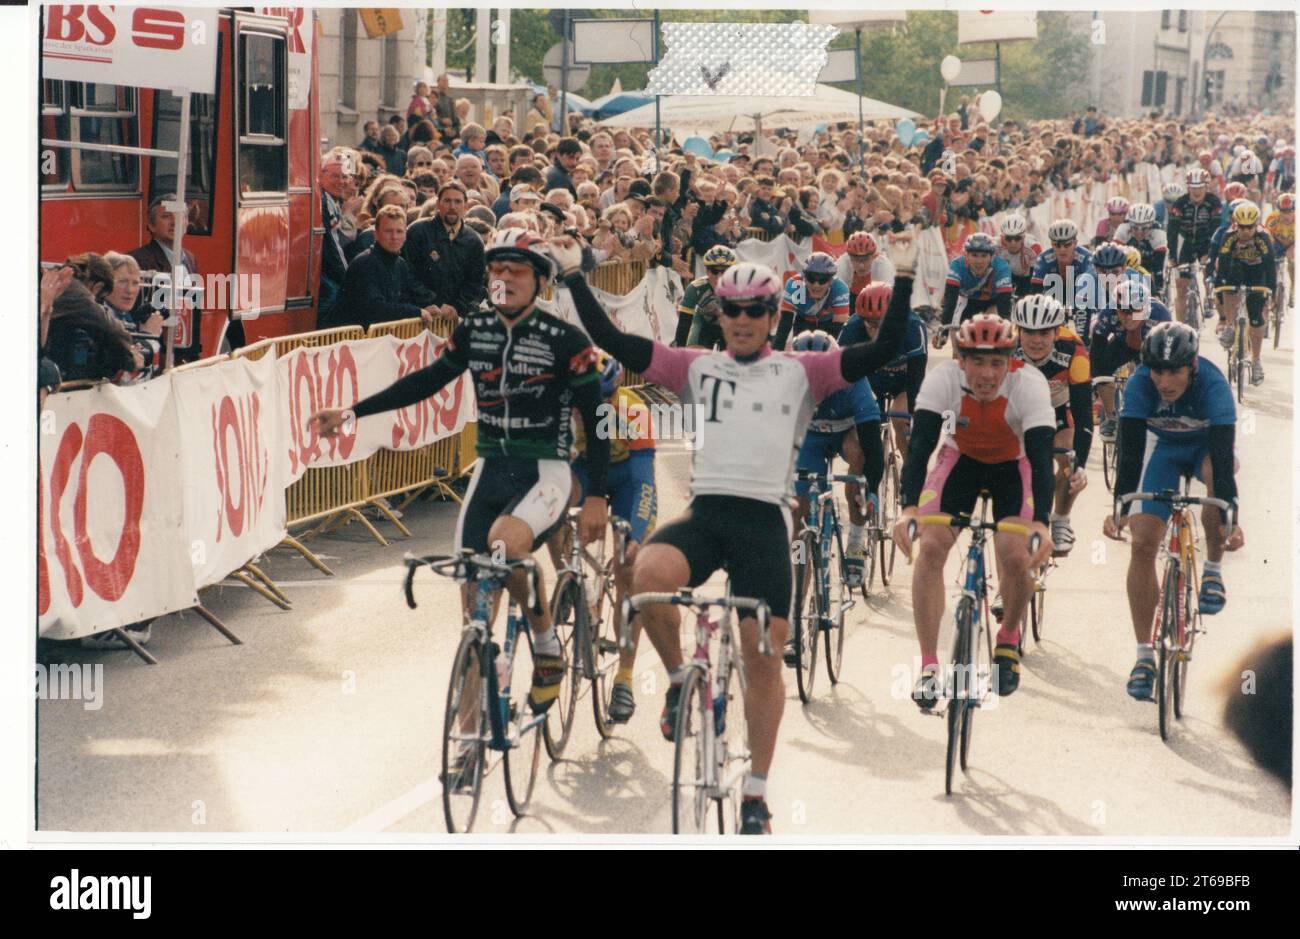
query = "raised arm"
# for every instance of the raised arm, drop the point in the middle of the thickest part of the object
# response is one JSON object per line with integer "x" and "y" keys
{"x": 858, "y": 361}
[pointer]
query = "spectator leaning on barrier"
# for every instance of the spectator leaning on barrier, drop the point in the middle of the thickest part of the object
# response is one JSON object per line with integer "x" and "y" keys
{"x": 84, "y": 340}
{"x": 334, "y": 168}
{"x": 139, "y": 319}
{"x": 156, "y": 256}
{"x": 379, "y": 285}
{"x": 447, "y": 257}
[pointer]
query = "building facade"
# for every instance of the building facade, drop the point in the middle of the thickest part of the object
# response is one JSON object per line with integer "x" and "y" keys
{"x": 1181, "y": 62}
{"x": 364, "y": 79}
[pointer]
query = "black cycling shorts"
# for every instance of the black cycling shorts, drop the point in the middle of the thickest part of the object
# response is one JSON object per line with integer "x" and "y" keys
{"x": 1255, "y": 299}
{"x": 1108, "y": 354}
{"x": 535, "y": 491}
{"x": 1189, "y": 251}
{"x": 750, "y": 539}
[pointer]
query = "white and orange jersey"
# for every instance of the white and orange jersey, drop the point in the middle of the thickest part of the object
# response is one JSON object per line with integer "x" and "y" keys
{"x": 992, "y": 431}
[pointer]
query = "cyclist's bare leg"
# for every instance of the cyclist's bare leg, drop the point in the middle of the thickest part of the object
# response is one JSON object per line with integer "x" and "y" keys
{"x": 622, "y": 587}
{"x": 853, "y": 456}
{"x": 1180, "y": 297}
{"x": 1211, "y": 519}
{"x": 558, "y": 545}
{"x": 765, "y": 694}
{"x": 932, "y": 546}
{"x": 1228, "y": 301}
{"x": 1064, "y": 499}
{"x": 514, "y": 538}
{"x": 661, "y": 568}
{"x": 902, "y": 428}
{"x": 1012, "y": 553}
{"x": 1256, "y": 342}
{"x": 1146, "y": 531}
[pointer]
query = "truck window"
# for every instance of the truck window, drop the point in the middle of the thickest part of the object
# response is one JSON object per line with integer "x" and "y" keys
{"x": 53, "y": 161}
{"x": 104, "y": 114}
{"x": 203, "y": 155}
{"x": 263, "y": 115}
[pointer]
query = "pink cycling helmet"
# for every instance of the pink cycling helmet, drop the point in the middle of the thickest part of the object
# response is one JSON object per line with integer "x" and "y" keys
{"x": 747, "y": 282}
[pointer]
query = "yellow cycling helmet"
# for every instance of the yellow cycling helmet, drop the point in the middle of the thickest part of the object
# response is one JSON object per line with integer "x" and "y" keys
{"x": 1132, "y": 257}
{"x": 1247, "y": 213}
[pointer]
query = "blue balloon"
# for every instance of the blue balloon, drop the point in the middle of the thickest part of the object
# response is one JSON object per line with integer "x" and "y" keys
{"x": 922, "y": 136}
{"x": 906, "y": 130}
{"x": 819, "y": 128}
{"x": 699, "y": 146}
{"x": 723, "y": 156}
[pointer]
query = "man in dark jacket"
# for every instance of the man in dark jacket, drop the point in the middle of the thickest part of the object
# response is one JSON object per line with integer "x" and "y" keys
{"x": 446, "y": 255}
{"x": 334, "y": 168}
{"x": 379, "y": 285}
{"x": 567, "y": 152}
{"x": 156, "y": 255}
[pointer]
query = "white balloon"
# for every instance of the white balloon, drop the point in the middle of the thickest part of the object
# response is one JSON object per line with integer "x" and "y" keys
{"x": 950, "y": 67}
{"x": 990, "y": 105}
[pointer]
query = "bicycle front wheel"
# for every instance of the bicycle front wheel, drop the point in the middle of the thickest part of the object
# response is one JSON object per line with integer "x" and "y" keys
{"x": 959, "y": 687}
{"x": 522, "y": 759}
{"x": 1166, "y": 637}
{"x": 835, "y": 603}
{"x": 567, "y": 613}
{"x": 464, "y": 754}
{"x": 1038, "y": 604}
{"x": 1279, "y": 308}
{"x": 692, "y": 755}
{"x": 888, "y": 549}
{"x": 807, "y": 612}
{"x": 1108, "y": 463}
{"x": 1194, "y": 307}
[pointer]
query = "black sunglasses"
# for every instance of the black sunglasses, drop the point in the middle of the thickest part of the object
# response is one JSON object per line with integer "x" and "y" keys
{"x": 1013, "y": 237}
{"x": 818, "y": 278}
{"x": 752, "y": 310}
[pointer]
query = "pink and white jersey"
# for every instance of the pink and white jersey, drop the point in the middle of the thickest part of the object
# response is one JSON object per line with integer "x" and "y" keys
{"x": 749, "y": 418}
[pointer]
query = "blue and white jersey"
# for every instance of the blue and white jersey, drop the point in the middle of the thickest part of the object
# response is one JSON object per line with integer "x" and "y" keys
{"x": 845, "y": 409}
{"x": 996, "y": 279}
{"x": 1046, "y": 267}
{"x": 834, "y": 304}
{"x": 1207, "y": 402}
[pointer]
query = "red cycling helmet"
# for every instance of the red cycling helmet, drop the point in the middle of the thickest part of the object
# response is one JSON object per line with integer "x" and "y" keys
{"x": 1234, "y": 191}
{"x": 873, "y": 301}
{"x": 1286, "y": 202}
{"x": 861, "y": 244}
{"x": 986, "y": 332}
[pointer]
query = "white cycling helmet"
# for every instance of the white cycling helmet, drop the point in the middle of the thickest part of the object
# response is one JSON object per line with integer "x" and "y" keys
{"x": 1063, "y": 229}
{"x": 1173, "y": 192}
{"x": 1141, "y": 213}
{"x": 1132, "y": 295}
{"x": 1250, "y": 165}
{"x": 1116, "y": 205}
{"x": 748, "y": 281}
{"x": 1038, "y": 311}
{"x": 1197, "y": 178}
{"x": 1013, "y": 225}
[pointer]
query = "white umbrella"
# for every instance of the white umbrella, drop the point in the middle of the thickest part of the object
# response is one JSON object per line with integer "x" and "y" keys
{"x": 750, "y": 112}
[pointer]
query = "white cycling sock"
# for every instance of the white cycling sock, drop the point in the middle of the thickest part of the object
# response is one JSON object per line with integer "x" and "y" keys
{"x": 677, "y": 675}
{"x": 1146, "y": 652}
{"x": 755, "y": 786}
{"x": 1214, "y": 567}
{"x": 546, "y": 643}
{"x": 855, "y": 538}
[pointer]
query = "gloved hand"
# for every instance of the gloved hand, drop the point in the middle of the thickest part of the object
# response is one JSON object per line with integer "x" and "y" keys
{"x": 567, "y": 254}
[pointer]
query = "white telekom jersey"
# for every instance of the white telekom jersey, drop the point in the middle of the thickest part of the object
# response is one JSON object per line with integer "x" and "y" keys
{"x": 749, "y": 418}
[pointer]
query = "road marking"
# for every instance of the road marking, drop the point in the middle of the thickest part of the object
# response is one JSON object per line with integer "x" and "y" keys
{"x": 393, "y": 812}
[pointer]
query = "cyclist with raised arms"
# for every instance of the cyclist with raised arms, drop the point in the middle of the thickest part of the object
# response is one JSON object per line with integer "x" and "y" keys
{"x": 1178, "y": 419}
{"x": 631, "y": 495}
{"x": 1046, "y": 343}
{"x": 863, "y": 263}
{"x": 900, "y": 378}
{"x": 1193, "y": 218}
{"x": 531, "y": 372}
{"x": 1019, "y": 252}
{"x": 814, "y": 299}
{"x": 1117, "y": 339}
{"x": 697, "y": 322}
{"x": 997, "y": 427}
{"x": 977, "y": 281}
{"x": 754, "y": 405}
{"x": 1245, "y": 263}
{"x": 845, "y": 424}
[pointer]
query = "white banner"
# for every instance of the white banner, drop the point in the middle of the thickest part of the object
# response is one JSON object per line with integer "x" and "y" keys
{"x": 340, "y": 375}
{"x": 231, "y": 433}
{"x": 111, "y": 545}
{"x": 649, "y": 310}
{"x": 143, "y": 47}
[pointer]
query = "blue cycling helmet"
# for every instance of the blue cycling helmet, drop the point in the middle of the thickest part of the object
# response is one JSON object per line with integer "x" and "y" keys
{"x": 816, "y": 340}
{"x": 980, "y": 243}
{"x": 610, "y": 370}
{"x": 819, "y": 262}
{"x": 1109, "y": 255}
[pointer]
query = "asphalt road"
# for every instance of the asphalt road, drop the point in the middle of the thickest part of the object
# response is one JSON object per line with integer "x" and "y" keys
{"x": 328, "y": 718}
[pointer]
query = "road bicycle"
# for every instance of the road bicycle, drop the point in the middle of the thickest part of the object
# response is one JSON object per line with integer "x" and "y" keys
{"x": 1110, "y": 448}
{"x": 584, "y": 609}
{"x": 1194, "y": 272}
{"x": 487, "y": 722}
{"x": 1177, "y": 620}
{"x": 1038, "y": 598}
{"x": 969, "y": 680}
{"x": 822, "y": 595}
{"x": 710, "y": 759}
{"x": 1281, "y": 298}
{"x": 1239, "y": 356}
{"x": 880, "y": 546}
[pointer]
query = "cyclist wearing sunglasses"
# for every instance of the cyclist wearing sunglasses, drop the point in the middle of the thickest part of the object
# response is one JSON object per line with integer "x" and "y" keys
{"x": 977, "y": 282}
{"x": 1117, "y": 336}
{"x": 1065, "y": 270}
{"x": 697, "y": 323}
{"x": 753, "y": 404}
{"x": 1019, "y": 251}
{"x": 814, "y": 299}
{"x": 1139, "y": 231}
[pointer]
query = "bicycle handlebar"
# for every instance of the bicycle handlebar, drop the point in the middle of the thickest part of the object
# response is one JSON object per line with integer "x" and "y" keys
{"x": 685, "y": 597}
{"x": 461, "y": 566}
{"x": 966, "y": 521}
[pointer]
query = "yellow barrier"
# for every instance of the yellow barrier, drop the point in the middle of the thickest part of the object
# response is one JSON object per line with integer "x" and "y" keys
{"x": 759, "y": 233}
